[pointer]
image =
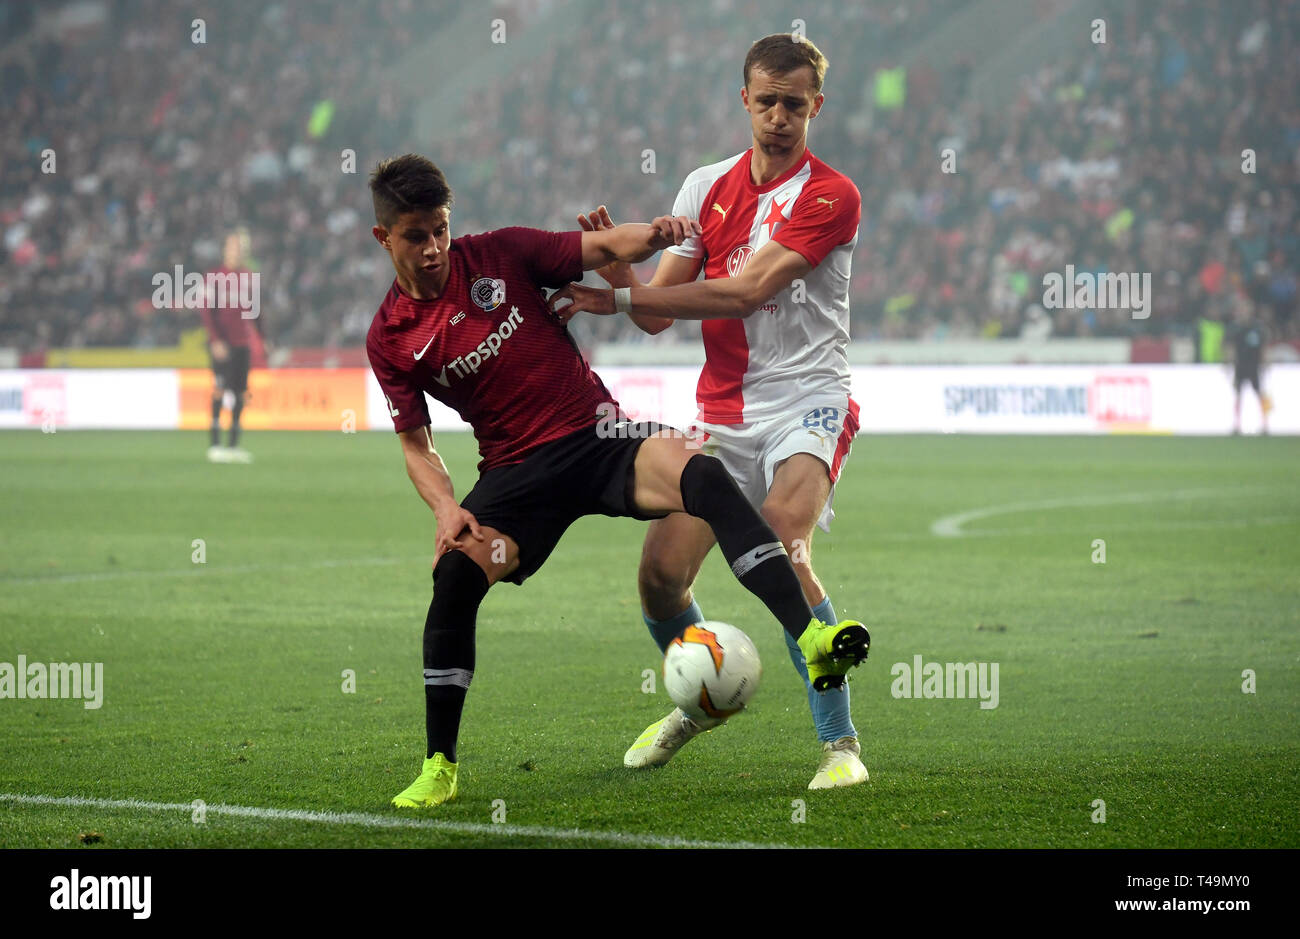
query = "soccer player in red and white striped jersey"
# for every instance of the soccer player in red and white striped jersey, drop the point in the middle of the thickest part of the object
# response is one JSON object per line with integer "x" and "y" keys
{"x": 778, "y": 231}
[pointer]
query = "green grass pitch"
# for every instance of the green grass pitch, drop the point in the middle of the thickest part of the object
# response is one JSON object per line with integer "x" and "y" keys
{"x": 1120, "y": 682}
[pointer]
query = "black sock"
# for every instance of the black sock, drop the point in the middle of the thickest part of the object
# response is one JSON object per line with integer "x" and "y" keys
{"x": 214, "y": 430}
{"x": 459, "y": 587}
{"x": 235, "y": 413}
{"x": 755, "y": 553}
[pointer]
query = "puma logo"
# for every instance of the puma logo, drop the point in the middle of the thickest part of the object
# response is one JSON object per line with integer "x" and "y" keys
{"x": 830, "y": 202}
{"x": 721, "y": 211}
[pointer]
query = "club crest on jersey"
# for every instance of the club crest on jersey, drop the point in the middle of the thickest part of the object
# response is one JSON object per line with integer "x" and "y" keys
{"x": 488, "y": 293}
{"x": 738, "y": 258}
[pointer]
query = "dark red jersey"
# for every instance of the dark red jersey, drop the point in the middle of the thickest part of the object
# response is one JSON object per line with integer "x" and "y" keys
{"x": 489, "y": 347}
{"x": 227, "y": 290}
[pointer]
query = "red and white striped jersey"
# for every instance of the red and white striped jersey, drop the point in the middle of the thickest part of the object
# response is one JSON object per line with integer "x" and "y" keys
{"x": 793, "y": 350}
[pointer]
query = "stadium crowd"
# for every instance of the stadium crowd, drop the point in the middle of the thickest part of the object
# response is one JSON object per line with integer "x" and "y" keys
{"x": 1124, "y": 156}
{"x": 163, "y": 145}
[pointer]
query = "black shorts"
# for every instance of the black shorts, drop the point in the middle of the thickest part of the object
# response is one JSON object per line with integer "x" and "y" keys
{"x": 232, "y": 374}
{"x": 536, "y": 500}
{"x": 1246, "y": 376}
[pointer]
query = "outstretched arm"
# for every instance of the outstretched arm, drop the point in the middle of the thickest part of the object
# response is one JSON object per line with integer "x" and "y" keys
{"x": 772, "y": 269}
{"x": 634, "y": 241}
{"x": 673, "y": 269}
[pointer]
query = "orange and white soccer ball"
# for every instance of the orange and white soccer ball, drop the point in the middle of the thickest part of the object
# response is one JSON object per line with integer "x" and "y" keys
{"x": 711, "y": 670}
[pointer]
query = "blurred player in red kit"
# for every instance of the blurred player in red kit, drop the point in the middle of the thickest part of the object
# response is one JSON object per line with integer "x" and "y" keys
{"x": 234, "y": 336}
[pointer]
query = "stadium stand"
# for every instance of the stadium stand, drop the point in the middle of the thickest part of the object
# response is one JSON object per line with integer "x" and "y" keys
{"x": 1120, "y": 156}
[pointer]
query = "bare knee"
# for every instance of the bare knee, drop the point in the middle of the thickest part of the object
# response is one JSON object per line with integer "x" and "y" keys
{"x": 795, "y": 533}
{"x": 665, "y": 584}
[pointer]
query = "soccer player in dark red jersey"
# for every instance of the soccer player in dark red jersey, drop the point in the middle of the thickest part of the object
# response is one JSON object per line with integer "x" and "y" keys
{"x": 466, "y": 322}
{"x": 230, "y": 339}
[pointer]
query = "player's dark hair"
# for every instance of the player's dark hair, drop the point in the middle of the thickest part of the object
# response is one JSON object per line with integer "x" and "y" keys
{"x": 785, "y": 52}
{"x": 409, "y": 183}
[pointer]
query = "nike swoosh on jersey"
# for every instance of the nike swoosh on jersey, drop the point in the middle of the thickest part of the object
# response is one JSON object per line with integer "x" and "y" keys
{"x": 442, "y": 378}
{"x": 419, "y": 355}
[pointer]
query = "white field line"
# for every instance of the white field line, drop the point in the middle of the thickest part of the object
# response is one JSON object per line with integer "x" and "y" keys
{"x": 202, "y": 570}
{"x": 950, "y": 526}
{"x": 1144, "y": 528}
{"x": 1140, "y": 527}
{"x": 366, "y": 820}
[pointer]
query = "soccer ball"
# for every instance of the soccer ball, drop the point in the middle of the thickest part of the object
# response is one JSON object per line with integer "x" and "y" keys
{"x": 711, "y": 670}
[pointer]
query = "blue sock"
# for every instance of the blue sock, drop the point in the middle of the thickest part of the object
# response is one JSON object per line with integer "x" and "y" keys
{"x": 663, "y": 631}
{"x": 830, "y": 711}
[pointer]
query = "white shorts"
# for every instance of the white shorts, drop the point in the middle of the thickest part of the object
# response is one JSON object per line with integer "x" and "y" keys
{"x": 752, "y": 452}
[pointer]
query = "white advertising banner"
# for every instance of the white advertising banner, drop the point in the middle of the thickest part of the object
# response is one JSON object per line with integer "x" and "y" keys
{"x": 993, "y": 399}
{"x": 1013, "y": 399}
{"x": 1001, "y": 399}
{"x": 90, "y": 399}
{"x": 1028, "y": 399}
{"x": 665, "y": 394}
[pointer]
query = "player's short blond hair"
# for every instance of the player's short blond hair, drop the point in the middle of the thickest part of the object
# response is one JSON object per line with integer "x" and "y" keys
{"x": 785, "y": 52}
